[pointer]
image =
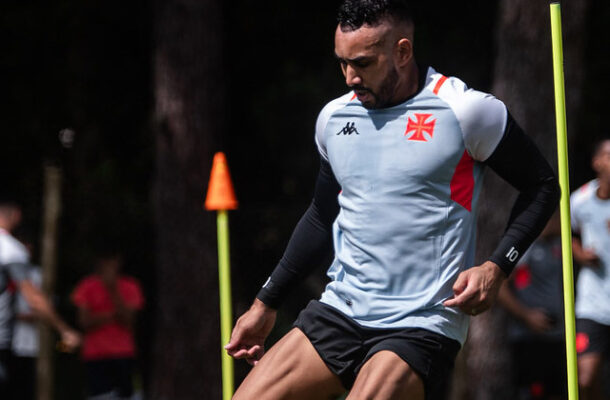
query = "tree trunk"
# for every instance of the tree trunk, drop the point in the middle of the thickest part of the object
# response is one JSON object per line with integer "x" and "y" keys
{"x": 51, "y": 214}
{"x": 188, "y": 90}
{"x": 523, "y": 79}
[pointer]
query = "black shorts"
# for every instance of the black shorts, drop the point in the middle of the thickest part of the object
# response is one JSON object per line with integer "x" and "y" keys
{"x": 345, "y": 346}
{"x": 110, "y": 376}
{"x": 592, "y": 337}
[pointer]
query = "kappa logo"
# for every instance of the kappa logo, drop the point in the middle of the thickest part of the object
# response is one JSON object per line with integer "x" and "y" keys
{"x": 348, "y": 129}
{"x": 419, "y": 126}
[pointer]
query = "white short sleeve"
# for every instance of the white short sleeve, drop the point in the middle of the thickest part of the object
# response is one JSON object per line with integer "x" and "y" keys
{"x": 482, "y": 117}
{"x": 573, "y": 213}
{"x": 14, "y": 257}
{"x": 320, "y": 137}
{"x": 12, "y": 251}
{"x": 577, "y": 198}
{"x": 323, "y": 118}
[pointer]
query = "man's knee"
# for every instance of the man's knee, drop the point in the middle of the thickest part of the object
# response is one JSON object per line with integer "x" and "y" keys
{"x": 387, "y": 376}
{"x": 371, "y": 387}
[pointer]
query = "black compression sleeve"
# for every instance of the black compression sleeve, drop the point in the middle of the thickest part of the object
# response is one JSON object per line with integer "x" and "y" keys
{"x": 519, "y": 162}
{"x": 311, "y": 241}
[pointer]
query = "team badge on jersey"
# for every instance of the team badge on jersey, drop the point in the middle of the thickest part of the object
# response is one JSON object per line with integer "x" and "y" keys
{"x": 419, "y": 126}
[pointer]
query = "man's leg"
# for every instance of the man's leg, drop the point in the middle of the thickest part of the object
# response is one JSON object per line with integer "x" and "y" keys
{"x": 387, "y": 376}
{"x": 291, "y": 369}
{"x": 588, "y": 376}
{"x": 4, "y": 370}
{"x": 592, "y": 340}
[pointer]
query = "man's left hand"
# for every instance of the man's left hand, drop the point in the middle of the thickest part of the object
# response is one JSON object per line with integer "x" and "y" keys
{"x": 476, "y": 289}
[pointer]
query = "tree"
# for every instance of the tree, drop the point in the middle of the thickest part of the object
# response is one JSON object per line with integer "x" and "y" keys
{"x": 523, "y": 79}
{"x": 188, "y": 98}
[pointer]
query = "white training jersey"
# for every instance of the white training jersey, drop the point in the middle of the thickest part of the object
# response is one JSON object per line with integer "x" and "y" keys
{"x": 13, "y": 260}
{"x": 591, "y": 219}
{"x": 410, "y": 177}
{"x": 25, "y": 341}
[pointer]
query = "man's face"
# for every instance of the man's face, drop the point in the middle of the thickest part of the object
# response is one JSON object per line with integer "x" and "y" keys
{"x": 16, "y": 216}
{"x": 109, "y": 266}
{"x": 366, "y": 57}
{"x": 601, "y": 161}
{"x": 11, "y": 216}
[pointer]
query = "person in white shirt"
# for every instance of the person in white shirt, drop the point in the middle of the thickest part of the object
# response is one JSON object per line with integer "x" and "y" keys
{"x": 14, "y": 261}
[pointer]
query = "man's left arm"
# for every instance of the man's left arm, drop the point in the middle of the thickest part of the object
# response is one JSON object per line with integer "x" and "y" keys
{"x": 518, "y": 161}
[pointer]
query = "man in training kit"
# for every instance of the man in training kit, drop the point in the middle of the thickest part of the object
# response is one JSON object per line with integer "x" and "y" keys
{"x": 533, "y": 296}
{"x": 591, "y": 248}
{"x": 402, "y": 157}
{"x": 14, "y": 265}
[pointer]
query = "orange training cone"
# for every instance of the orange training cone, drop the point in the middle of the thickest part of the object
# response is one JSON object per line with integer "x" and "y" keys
{"x": 221, "y": 195}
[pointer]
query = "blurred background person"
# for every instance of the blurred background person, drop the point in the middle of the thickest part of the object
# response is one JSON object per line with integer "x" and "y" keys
{"x": 591, "y": 249}
{"x": 107, "y": 305}
{"x": 25, "y": 341}
{"x": 14, "y": 266}
{"x": 533, "y": 296}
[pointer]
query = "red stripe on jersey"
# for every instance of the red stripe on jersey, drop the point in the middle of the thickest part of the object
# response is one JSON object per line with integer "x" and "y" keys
{"x": 353, "y": 97}
{"x": 462, "y": 182}
{"x": 439, "y": 84}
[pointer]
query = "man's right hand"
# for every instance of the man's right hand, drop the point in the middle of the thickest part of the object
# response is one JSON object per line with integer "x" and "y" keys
{"x": 587, "y": 257}
{"x": 70, "y": 340}
{"x": 583, "y": 255}
{"x": 251, "y": 330}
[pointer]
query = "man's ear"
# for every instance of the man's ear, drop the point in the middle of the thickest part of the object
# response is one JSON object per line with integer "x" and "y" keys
{"x": 404, "y": 52}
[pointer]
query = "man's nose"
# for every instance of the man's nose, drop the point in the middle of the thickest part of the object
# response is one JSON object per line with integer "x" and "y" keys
{"x": 351, "y": 77}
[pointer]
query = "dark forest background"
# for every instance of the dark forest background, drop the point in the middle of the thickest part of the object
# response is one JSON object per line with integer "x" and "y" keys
{"x": 153, "y": 88}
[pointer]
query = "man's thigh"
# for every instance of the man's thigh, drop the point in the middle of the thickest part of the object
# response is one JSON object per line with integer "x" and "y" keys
{"x": 291, "y": 369}
{"x": 4, "y": 370}
{"x": 386, "y": 376}
{"x": 592, "y": 343}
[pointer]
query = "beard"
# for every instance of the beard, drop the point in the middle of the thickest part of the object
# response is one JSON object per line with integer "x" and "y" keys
{"x": 382, "y": 97}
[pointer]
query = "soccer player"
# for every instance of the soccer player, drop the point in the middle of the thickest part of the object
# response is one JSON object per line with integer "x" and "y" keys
{"x": 14, "y": 265}
{"x": 108, "y": 303}
{"x": 591, "y": 249}
{"x": 533, "y": 296}
{"x": 402, "y": 156}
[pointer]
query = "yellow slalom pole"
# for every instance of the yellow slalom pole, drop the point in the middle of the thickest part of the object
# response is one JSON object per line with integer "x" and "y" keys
{"x": 564, "y": 182}
{"x": 226, "y": 313}
{"x": 220, "y": 198}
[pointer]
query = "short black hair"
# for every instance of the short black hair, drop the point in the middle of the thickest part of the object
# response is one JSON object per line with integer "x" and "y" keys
{"x": 598, "y": 144}
{"x": 10, "y": 199}
{"x": 355, "y": 13}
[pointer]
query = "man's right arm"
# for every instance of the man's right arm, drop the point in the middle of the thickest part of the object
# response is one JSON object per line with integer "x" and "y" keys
{"x": 582, "y": 255}
{"x": 309, "y": 246}
{"x": 43, "y": 309}
{"x": 534, "y": 318}
{"x": 585, "y": 256}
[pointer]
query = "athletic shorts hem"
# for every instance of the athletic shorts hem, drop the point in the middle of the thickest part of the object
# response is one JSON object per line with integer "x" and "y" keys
{"x": 345, "y": 346}
{"x": 592, "y": 337}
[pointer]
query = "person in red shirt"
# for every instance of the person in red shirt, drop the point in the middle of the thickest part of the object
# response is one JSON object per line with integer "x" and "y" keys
{"x": 107, "y": 304}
